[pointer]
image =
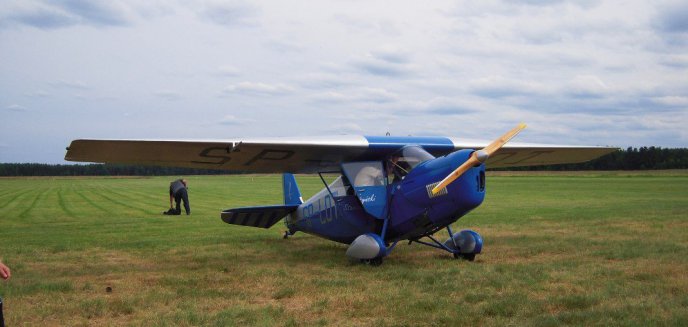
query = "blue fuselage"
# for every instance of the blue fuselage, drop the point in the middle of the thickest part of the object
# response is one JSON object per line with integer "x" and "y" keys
{"x": 341, "y": 212}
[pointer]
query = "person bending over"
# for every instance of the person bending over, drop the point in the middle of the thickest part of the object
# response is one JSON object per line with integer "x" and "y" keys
{"x": 178, "y": 192}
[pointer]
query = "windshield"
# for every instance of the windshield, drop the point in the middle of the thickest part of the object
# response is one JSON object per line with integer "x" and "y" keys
{"x": 403, "y": 161}
{"x": 414, "y": 155}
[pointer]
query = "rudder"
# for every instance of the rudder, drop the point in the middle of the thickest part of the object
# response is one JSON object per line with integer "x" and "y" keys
{"x": 292, "y": 195}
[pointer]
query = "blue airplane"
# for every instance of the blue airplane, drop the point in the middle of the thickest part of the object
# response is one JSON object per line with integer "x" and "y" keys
{"x": 388, "y": 189}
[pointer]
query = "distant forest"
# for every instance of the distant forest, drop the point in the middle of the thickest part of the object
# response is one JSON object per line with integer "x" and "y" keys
{"x": 37, "y": 169}
{"x": 644, "y": 158}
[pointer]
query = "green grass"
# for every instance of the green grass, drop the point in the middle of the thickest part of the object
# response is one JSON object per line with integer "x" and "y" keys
{"x": 560, "y": 249}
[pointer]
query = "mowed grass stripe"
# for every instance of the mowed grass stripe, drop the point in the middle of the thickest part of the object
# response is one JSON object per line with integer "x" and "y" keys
{"x": 63, "y": 203}
{"x": 136, "y": 197}
{"x": 108, "y": 195}
{"x": 37, "y": 197}
{"x": 6, "y": 193}
{"x": 91, "y": 202}
{"x": 78, "y": 204}
{"x": 12, "y": 201}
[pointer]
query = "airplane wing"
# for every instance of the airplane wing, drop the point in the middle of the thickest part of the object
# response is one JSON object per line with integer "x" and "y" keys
{"x": 308, "y": 155}
{"x": 257, "y": 156}
{"x": 516, "y": 154}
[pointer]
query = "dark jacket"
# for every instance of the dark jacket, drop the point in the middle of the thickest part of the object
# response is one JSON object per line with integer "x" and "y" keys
{"x": 176, "y": 186}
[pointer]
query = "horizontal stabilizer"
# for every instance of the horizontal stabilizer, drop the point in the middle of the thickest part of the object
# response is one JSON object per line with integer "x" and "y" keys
{"x": 263, "y": 217}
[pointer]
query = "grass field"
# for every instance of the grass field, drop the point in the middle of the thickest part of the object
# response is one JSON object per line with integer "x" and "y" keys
{"x": 575, "y": 249}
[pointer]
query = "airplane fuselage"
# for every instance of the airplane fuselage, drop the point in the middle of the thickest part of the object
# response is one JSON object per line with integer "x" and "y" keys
{"x": 341, "y": 211}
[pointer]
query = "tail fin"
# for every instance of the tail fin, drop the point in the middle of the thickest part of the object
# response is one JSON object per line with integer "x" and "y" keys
{"x": 292, "y": 195}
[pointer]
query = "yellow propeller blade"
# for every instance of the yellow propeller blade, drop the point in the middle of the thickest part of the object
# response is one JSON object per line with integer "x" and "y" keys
{"x": 455, "y": 174}
{"x": 478, "y": 157}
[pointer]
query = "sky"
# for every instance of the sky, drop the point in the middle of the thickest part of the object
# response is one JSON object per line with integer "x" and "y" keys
{"x": 577, "y": 72}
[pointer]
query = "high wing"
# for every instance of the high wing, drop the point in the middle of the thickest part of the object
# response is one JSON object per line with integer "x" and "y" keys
{"x": 531, "y": 154}
{"x": 308, "y": 155}
{"x": 258, "y": 155}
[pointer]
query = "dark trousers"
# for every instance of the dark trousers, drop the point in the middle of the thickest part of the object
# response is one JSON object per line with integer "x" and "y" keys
{"x": 178, "y": 197}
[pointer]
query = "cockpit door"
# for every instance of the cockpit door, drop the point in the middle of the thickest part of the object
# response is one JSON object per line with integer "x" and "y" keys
{"x": 368, "y": 180}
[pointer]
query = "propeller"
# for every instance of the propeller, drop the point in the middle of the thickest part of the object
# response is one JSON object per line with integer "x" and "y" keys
{"x": 478, "y": 157}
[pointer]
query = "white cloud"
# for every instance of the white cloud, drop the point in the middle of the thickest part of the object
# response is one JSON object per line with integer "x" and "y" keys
{"x": 673, "y": 101}
{"x": 168, "y": 95}
{"x": 79, "y": 85}
{"x": 672, "y": 17}
{"x": 37, "y": 94}
{"x": 679, "y": 61}
{"x": 51, "y": 14}
{"x": 356, "y": 95}
{"x": 232, "y": 120}
{"x": 444, "y": 106}
{"x": 228, "y": 70}
{"x": 257, "y": 88}
{"x": 587, "y": 86}
{"x": 16, "y": 108}
{"x": 377, "y": 95}
{"x": 348, "y": 128}
{"x": 497, "y": 86}
{"x": 232, "y": 13}
{"x": 385, "y": 62}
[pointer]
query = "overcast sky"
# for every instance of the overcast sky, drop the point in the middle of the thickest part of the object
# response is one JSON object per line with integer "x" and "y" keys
{"x": 577, "y": 72}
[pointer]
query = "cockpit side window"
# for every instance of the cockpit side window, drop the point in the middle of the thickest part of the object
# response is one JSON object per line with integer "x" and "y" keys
{"x": 340, "y": 187}
{"x": 367, "y": 173}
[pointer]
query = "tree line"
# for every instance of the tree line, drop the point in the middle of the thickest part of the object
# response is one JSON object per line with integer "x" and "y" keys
{"x": 643, "y": 158}
{"x": 38, "y": 169}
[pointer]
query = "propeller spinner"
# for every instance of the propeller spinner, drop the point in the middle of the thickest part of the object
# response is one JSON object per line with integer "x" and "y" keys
{"x": 478, "y": 157}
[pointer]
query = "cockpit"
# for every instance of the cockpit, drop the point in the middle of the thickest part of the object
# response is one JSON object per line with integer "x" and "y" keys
{"x": 371, "y": 179}
{"x": 395, "y": 168}
{"x": 403, "y": 161}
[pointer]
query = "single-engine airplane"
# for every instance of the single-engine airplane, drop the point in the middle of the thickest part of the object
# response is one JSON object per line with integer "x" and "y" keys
{"x": 389, "y": 189}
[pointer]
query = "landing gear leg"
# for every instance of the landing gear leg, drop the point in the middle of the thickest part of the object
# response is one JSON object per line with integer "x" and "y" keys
{"x": 287, "y": 234}
{"x": 452, "y": 245}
